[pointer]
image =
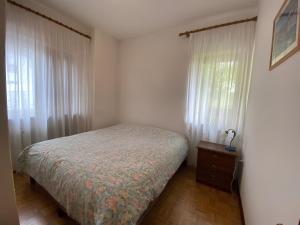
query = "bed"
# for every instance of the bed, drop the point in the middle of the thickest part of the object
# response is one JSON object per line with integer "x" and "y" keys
{"x": 108, "y": 176}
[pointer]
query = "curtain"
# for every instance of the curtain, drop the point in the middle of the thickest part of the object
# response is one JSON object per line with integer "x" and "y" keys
{"x": 48, "y": 80}
{"x": 218, "y": 83}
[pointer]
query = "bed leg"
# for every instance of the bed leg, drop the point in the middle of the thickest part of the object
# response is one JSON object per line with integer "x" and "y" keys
{"x": 185, "y": 163}
{"x": 60, "y": 212}
{"x": 32, "y": 181}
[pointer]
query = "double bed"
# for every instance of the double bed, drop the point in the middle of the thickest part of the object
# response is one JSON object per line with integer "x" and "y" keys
{"x": 108, "y": 176}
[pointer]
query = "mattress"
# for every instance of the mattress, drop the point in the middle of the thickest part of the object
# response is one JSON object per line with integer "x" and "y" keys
{"x": 107, "y": 176}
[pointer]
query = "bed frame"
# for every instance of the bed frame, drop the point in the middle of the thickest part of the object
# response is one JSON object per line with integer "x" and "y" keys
{"x": 61, "y": 211}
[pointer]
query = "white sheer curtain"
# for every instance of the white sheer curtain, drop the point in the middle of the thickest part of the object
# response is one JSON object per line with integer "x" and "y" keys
{"x": 49, "y": 84}
{"x": 218, "y": 83}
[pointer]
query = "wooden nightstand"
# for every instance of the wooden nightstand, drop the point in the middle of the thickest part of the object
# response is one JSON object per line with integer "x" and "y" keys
{"x": 215, "y": 166}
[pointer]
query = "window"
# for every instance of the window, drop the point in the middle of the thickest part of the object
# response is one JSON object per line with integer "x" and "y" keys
{"x": 218, "y": 82}
{"x": 19, "y": 85}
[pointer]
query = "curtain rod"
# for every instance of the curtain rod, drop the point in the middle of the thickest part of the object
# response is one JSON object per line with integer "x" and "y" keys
{"x": 48, "y": 18}
{"x": 188, "y": 33}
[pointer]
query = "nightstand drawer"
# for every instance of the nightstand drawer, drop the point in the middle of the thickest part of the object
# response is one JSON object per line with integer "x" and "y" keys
{"x": 219, "y": 161}
{"x": 216, "y": 179}
{"x": 214, "y": 172}
{"x": 215, "y": 169}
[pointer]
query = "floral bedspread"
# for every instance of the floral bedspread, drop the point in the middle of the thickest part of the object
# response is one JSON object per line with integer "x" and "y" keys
{"x": 108, "y": 176}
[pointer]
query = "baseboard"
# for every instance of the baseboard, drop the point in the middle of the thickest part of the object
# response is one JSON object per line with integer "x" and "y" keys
{"x": 241, "y": 208}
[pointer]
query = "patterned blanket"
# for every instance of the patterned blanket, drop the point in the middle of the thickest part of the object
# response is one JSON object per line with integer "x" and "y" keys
{"x": 108, "y": 176}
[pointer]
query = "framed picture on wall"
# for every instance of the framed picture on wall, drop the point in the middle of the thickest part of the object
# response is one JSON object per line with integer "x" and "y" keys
{"x": 286, "y": 37}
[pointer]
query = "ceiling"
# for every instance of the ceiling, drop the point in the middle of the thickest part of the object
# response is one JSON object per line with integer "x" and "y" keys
{"x": 129, "y": 18}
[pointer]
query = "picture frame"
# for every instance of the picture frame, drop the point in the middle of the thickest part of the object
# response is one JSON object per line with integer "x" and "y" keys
{"x": 286, "y": 33}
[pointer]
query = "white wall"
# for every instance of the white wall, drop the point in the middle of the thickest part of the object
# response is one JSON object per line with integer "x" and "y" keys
{"x": 271, "y": 181}
{"x": 153, "y": 72}
{"x": 105, "y": 64}
{"x": 8, "y": 211}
